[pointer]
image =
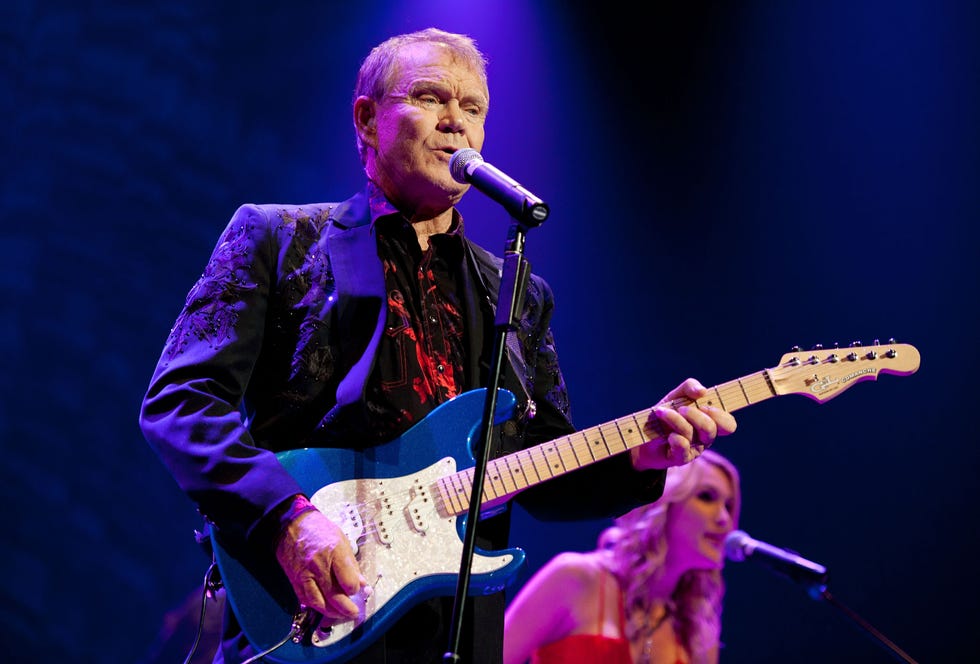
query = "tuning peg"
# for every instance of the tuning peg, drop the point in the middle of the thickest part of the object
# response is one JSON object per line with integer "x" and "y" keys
{"x": 796, "y": 349}
{"x": 855, "y": 344}
{"x": 891, "y": 340}
{"x": 817, "y": 347}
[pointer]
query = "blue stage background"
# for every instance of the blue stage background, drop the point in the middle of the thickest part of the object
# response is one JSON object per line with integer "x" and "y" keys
{"x": 726, "y": 180}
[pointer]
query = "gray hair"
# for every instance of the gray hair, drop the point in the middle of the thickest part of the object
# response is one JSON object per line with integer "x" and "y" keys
{"x": 374, "y": 78}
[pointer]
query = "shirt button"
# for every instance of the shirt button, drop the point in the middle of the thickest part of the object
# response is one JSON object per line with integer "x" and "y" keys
{"x": 440, "y": 368}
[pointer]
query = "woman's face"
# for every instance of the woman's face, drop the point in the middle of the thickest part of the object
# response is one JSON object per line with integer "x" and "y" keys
{"x": 696, "y": 527}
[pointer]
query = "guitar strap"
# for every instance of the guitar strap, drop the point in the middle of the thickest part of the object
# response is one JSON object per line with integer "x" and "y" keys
{"x": 485, "y": 292}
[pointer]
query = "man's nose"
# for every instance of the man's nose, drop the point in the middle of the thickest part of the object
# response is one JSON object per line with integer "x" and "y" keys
{"x": 452, "y": 116}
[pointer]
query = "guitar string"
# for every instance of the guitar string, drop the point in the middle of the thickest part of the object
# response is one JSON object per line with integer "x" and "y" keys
{"x": 732, "y": 395}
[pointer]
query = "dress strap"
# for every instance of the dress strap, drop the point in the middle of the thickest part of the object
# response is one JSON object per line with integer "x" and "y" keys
{"x": 602, "y": 597}
{"x": 620, "y": 609}
{"x": 621, "y": 594}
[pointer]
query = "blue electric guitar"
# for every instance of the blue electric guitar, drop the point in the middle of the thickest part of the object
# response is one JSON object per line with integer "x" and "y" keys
{"x": 403, "y": 504}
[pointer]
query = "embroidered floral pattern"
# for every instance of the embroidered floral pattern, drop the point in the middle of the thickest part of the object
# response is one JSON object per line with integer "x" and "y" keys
{"x": 308, "y": 289}
{"x": 208, "y": 315}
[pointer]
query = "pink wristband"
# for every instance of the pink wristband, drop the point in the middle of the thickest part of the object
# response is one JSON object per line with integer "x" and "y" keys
{"x": 299, "y": 505}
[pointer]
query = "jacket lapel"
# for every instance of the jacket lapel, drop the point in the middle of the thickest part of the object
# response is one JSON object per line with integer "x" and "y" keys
{"x": 359, "y": 279}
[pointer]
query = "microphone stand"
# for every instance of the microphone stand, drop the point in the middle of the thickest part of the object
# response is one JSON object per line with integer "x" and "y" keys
{"x": 810, "y": 575}
{"x": 513, "y": 284}
{"x": 861, "y": 622}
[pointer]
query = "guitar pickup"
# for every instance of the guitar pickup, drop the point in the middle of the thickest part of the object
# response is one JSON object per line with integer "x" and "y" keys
{"x": 417, "y": 507}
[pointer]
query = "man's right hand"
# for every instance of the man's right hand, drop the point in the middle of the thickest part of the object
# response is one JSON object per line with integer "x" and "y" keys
{"x": 319, "y": 563}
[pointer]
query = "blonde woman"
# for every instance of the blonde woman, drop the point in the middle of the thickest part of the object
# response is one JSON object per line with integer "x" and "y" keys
{"x": 650, "y": 593}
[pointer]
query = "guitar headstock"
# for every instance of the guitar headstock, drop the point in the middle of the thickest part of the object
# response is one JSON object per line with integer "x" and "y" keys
{"x": 823, "y": 373}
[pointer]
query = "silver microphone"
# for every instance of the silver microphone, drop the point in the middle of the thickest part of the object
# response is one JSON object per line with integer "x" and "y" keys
{"x": 739, "y": 546}
{"x": 467, "y": 166}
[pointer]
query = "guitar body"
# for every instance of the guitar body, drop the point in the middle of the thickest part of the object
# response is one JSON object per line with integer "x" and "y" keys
{"x": 407, "y": 548}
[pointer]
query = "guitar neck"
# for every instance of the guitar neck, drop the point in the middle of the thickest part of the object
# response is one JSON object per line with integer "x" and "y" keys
{"x": 508, "y": 475}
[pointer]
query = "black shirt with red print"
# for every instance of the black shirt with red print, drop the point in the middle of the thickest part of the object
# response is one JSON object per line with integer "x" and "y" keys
{"x": 420, "y": 362}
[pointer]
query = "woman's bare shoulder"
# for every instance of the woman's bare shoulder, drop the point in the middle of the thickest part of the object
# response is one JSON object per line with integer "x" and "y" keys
{"x": 581, "y": 569}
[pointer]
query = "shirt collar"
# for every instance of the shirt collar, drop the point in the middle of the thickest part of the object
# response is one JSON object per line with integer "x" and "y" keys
{"x": 380, "y": 206}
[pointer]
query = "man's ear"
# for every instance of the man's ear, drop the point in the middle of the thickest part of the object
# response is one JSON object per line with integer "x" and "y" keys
{"x": 365, "y": 120}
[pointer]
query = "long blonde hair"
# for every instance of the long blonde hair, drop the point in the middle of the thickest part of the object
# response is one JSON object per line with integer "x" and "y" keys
{"x": 637, "y": 546}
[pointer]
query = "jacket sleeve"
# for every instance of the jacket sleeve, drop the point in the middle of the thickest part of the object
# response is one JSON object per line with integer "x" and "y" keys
{"x": 601, "y": 489}
{"x": 191, "y": 414}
